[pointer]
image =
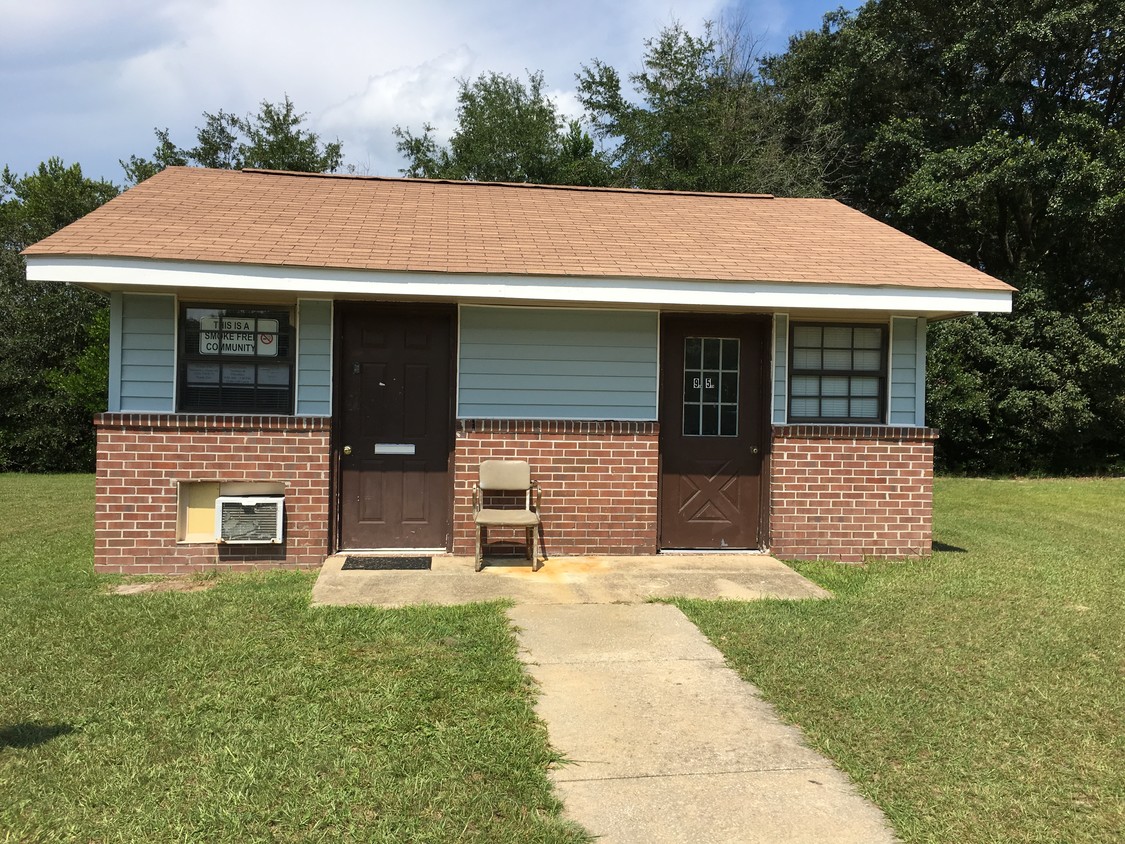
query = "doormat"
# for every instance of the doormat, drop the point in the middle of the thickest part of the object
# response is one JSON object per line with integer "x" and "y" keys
{"x": 387, "y": 563}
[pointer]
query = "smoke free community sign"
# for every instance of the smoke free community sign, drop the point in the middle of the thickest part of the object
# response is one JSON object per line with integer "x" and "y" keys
{"x": 238, "y": 336}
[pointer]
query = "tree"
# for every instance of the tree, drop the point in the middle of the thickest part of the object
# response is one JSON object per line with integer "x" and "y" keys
{"x": 272, "y": 139}
{"x": 506, "y": 132}
{"x": 701, "y": 119}
{"x": 53, "y": 337}
{"x": 994, "y": 133}
{"x": 704, "y": 122}
{"x": 1040, "y": 391}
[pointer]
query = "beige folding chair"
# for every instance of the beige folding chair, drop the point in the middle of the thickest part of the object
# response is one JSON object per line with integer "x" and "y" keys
{"x": 506, "y": 476}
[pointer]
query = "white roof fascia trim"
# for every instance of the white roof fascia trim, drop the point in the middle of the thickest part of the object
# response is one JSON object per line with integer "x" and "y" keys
{"x": 123, "y": 273}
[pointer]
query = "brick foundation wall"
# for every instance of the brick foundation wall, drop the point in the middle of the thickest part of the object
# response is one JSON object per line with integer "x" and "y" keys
{"x": 836, "y": 492}
{"x": 846, "y": 492}
{"x": 599, "y": 482}
{"x": 143, "y": 457}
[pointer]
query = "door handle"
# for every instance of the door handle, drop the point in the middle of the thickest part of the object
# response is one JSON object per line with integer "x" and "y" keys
{"x": 754, "y": 450}
{"x": 347, "y": 449}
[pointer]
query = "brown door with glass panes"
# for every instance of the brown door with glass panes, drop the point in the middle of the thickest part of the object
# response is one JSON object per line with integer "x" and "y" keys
{"x": 393, "y": 427}
{"x": 712, "y": 429}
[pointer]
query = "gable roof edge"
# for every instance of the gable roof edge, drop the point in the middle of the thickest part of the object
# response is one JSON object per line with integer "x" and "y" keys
{"x": 765, "y": 296}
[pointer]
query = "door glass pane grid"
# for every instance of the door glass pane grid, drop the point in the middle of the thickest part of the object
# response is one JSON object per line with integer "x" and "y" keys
{"x": 711, "y": 371}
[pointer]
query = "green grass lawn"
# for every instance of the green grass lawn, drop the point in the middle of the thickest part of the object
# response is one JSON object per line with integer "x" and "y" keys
{"x": 240, "y": 714}
{"x": 979, "y": 696}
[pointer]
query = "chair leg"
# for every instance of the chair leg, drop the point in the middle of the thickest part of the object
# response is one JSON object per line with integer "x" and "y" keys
{"x": 532, "y": 544}
{"x": 480, "y": 556}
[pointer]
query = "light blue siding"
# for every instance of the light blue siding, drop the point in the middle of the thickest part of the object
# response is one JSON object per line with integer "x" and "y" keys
{"x": 143, "y": 358}
{"x": 314, "y": 358}
{"x": 920, "y": 372}
{"x": 114, "y": 404}
{"x": 543, "y": 363}
{"x": 780, "y": 368}
{"x": 907, "y": 372}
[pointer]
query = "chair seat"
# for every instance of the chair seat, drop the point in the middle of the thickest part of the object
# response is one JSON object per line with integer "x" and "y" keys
{"x": 507, "y": 518}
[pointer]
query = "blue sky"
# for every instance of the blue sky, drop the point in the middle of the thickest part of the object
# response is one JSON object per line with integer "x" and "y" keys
{"x": 88, "y": 81}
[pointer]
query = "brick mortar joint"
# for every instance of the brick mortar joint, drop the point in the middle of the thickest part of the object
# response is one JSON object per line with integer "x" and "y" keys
{"x": 882, "y": 433}
{"x": 555, "y": 426}
{"x": 211, "y": 424}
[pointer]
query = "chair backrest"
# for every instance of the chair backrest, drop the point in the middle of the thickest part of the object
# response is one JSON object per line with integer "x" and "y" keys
{"x": 505, "y": 475}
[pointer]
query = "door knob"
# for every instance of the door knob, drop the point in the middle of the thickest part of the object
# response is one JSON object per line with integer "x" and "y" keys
{"x": 754, "y": 450}
{"x": 347, "y": 449}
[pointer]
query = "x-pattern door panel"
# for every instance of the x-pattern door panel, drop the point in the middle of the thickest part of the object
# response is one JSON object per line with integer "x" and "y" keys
{"x": 713, "y": 496}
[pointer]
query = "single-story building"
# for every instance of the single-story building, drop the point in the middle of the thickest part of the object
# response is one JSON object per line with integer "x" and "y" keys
{"x": 331, "y": 357}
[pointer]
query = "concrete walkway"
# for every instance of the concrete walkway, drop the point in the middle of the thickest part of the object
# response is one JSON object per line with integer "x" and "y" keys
{"x": 567, "y": 580}
{"x": 667, "y": 744}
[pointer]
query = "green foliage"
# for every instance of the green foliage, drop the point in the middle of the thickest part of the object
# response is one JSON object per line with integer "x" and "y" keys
{"x": 83, "y": 381}
{"x": 1040, "y": 391}
{"x": 996, "y": 134}
{"x": 701, "y": 120}
{"x": 53, "y": 337}
{"x": 272, "y": 139}
{"x": 506, "y": 132}
{"x": 993, "y": 133}
{"x": 167, "y": 154}
{"x": 704, "y": 122}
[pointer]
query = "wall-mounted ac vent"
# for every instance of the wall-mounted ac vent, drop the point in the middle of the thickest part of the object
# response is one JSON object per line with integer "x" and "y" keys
{"x": 249, "y": 519}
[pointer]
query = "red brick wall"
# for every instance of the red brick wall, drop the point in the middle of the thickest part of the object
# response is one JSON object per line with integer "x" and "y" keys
{"x": 844, "y": 492}
{"x": 143, "y": 457}
{"x": 598, "y": 479}
{"x": 837, "y": 492}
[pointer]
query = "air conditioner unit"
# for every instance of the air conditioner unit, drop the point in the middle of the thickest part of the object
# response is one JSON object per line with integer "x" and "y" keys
{"x": 249, "y": 519}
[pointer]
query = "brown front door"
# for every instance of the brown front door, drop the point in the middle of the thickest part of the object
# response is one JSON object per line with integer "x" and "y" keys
{"x": 712, "y": 427}
{"x": 393, "y": 426}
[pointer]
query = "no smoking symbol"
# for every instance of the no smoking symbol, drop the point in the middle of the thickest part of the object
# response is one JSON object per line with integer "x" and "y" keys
{"x": 266, "y": 339}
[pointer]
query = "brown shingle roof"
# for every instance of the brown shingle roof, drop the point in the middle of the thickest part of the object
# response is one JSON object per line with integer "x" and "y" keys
{"x": 415, "y": 225}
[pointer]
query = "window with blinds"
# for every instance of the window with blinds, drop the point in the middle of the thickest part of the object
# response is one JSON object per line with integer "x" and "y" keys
{"x": 837, "y": 373}
{"x": 235, "y": 359}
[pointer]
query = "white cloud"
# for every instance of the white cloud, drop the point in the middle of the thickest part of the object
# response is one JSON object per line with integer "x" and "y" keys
{"x": 89, "y": 81}
{"x": 51, "y": 33}
{"x": 410, "y": 97}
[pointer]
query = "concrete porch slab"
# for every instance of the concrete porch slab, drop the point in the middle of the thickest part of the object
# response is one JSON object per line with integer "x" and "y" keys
{"x": 567, "y": 580}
